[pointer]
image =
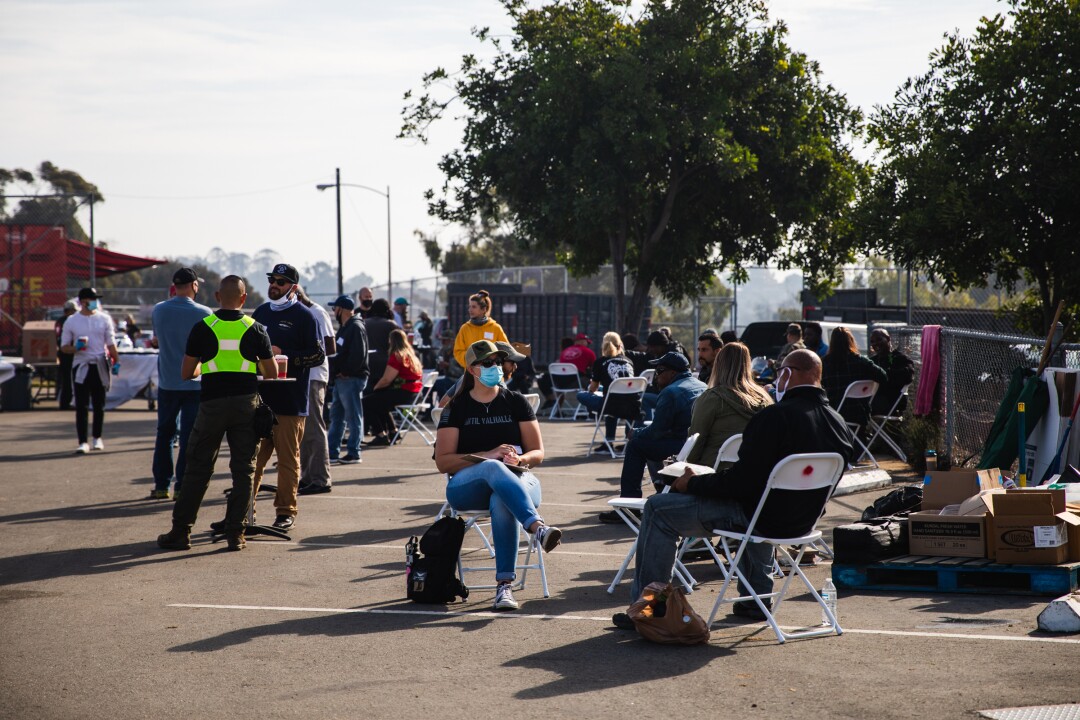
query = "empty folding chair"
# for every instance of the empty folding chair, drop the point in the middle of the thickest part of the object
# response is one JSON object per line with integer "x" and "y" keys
{"x": 408, "y": 416}
{"x": 813, "y": 475}
{"x": 860, "y": 391}
{"x": 624, "y": 396}
{"x": 565, "y": 381}
{"x": 878, "y": 424}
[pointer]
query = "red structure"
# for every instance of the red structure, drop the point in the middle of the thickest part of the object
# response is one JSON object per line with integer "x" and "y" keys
{"x": 38, "y": 265}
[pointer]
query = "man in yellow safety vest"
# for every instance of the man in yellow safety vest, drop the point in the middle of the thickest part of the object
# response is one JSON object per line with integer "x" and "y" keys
{"x": 225, "y": 349}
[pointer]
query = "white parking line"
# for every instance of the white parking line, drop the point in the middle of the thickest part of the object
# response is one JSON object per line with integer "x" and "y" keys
{"x": 398, "y": 548}
{"x": 376, "y": 498}
{"x": 590, "y": 618}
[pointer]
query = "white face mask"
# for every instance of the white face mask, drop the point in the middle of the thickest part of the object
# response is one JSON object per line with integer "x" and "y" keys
{"x": 283, "y": 302}
{"x": 784, "y": 374}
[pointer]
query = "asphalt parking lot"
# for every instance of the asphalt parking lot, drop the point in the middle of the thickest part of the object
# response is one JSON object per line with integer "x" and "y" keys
{"x": 95, "y": 619}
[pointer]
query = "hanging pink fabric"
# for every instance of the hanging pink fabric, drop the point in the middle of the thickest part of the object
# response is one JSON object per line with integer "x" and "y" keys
{"x": 931, "y": 369}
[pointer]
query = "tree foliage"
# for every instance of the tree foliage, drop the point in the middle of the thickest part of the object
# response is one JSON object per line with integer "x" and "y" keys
{"x": 980, "y": 158}
{"x": 50, "y": 210}
{"x": 674, "y": 144}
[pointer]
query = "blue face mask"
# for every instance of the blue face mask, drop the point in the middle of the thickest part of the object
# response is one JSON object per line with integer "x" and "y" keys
{"x": 491, "y": 376}
{"x": 93, "y": 305}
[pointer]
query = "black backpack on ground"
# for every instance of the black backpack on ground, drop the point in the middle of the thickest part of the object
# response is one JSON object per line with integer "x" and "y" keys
{"x": 901, "y": 500}
{"x": 433, "y": 577}
{"x": 867, "y": 542}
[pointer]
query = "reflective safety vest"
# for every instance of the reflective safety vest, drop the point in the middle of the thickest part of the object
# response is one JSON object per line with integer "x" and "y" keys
{"x": 228, "y": 334}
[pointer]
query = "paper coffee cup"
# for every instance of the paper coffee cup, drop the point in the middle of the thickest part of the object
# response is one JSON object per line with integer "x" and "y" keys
{"x": 282, "y": 365}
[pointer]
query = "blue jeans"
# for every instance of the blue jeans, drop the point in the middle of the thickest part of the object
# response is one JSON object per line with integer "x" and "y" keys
{"x": 346, "y": 410}
{"x": 594, "y": 403}
{"x": 641, "y": 452}
{"x": 170, "y": 405}
{"x": 671, "y": 516}
{"x": 510, "y": 498}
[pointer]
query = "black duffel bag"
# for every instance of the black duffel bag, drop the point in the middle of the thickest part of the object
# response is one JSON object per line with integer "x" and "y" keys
{"x": 867, "y": 542}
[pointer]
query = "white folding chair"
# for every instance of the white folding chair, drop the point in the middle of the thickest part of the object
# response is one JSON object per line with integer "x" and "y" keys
{"x": 474, "y": 519}
{"x": 729, "y": 451}
{"x": 534, "y": 401}
{"x": 629, "y": 509}
{"x": 625, "y": 387}
{"x": 565, "y": 380}
{"x": 648, "y": 374}
{"x": 808, "y": 473}
{"x": 860, "y": 390}
{"x": 408, "y": 416}
{"x": 879, "y": 422}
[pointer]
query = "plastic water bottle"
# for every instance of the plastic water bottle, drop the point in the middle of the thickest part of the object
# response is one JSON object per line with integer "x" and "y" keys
{"x": 828, "y": 594}
{"x": 116, "y": 368}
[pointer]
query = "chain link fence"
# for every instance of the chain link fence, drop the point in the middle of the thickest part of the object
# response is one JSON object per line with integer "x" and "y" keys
{"x": 976, "y": 368}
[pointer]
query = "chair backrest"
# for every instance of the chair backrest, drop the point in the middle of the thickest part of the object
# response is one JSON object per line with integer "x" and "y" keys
{"x": 436, "y": 414}
{"x": 858, "y": 390}
{"x": 428, "y": 379}
{"x": 534, "y": 401}
{"x": 687, "y": 447}
{"x": 729, "y": 451}
{"x": 803, "y": 472}
{"x": 648, "y": 374}
{"x": 627, "y": 386}
{"x": 564, "y": 376}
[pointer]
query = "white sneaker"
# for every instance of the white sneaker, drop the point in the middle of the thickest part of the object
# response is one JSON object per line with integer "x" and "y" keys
{"x": 82, "y": 449}
{"x": 504, "y": 598}
{"x": 549, "y": 537}
{"x": 98, "y": 445}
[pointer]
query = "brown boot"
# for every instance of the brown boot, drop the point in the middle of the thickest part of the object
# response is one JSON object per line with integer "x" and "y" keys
{"x": 235, "y": 540}
{"x": 179, "y": 538}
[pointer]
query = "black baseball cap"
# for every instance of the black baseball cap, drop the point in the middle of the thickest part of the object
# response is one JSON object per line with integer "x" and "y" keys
{"x": 89, "y": 293}
{"x": 184, "y": 276}
{"x": 286, "y": 271}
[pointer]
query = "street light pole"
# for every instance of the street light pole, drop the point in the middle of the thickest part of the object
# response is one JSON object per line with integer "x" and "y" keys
{"x": 337, "y": 185}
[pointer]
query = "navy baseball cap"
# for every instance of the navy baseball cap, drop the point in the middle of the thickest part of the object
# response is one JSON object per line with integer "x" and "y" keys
{"x": 673, "y": 360}
{"x": 344, "y": 302}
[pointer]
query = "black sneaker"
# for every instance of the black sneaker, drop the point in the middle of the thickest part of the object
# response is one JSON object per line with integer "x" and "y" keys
{"x": 749, "y": 610}
{"x": 284, "y": 522}
{"x": 349, "y": 460}
{"x": 623, "y": 621}
{"x": 612, "y": 518}
{"x": 312, "y": 489}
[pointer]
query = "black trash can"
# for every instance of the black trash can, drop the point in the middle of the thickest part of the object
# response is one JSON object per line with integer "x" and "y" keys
{"x": 16, "y": 393}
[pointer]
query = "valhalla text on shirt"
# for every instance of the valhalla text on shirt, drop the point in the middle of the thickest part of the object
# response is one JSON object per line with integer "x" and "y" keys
{"x": 492, "y": 420}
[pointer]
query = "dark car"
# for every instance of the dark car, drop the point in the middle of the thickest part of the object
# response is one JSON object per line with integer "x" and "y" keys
{"x": 765, "y": 338}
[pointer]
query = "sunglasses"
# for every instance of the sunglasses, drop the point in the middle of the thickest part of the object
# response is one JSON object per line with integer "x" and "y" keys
{"x": 280, "y": 282}
{"x": 489, "y": 362}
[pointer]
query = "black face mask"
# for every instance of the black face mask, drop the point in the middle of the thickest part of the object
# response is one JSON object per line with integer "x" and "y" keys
{"x": 366, "y": 304}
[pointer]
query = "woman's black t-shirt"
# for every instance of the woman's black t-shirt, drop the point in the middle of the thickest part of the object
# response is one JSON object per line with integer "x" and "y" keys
{"x": 481, "y": 426}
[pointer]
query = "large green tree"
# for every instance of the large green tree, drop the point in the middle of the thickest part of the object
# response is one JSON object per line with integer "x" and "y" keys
{"x": 49, "y": 210}
{"x": 980, "y": 158}
{"x": 674, "y": 143}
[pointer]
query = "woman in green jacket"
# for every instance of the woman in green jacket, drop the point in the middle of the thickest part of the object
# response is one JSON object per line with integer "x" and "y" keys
{"x": 724, "y": 409}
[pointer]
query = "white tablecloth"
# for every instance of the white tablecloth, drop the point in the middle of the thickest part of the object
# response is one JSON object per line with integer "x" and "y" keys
{"x": 138, "y": 371}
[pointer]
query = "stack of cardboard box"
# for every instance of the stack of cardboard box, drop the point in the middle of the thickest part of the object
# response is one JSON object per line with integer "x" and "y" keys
{"x": 983, "y": 519}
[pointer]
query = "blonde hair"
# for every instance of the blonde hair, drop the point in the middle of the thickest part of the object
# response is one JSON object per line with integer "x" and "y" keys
{"x": 400, "y": 348}
{"x": 612, "y": 345}
{"x": 732, "y": 370}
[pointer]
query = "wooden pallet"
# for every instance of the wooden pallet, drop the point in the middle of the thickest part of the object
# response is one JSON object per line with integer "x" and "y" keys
{"x": 957, "y": 575}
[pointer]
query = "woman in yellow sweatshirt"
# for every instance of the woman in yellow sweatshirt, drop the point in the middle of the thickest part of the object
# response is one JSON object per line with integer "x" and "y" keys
{"x": 479, "y": 327}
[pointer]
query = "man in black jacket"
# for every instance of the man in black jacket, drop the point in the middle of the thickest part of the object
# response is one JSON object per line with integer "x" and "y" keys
{"x": 801, "y": 422}
{"x": 897, "y": 366}
{"x": 349, "y": 369}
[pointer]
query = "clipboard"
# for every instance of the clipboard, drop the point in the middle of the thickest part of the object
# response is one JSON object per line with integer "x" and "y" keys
{"x": 516, "y": 469}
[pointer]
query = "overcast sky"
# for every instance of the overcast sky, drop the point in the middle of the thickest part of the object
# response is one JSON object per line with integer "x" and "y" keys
{"x": 209, "y": 122}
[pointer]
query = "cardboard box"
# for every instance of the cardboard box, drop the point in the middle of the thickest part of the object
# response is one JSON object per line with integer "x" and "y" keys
{"x": 39, "y": 342}
{"x": 1032, "y": 527}
{"x": 963, "y": 533}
